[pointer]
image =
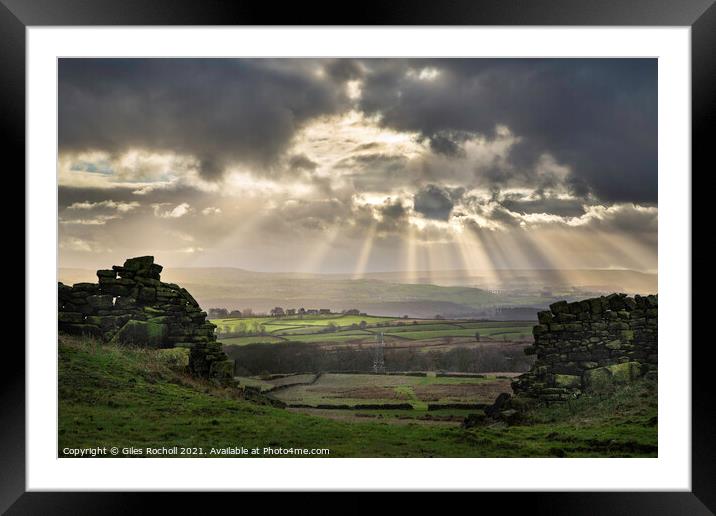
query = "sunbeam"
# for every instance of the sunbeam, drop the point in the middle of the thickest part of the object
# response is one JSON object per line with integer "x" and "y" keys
{"x": 365, "y": 251}
{"x": 410, "y": 264}
{"x": 315, "y": 257}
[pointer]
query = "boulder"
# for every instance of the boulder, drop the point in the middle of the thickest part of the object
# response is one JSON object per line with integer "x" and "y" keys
{"x": 509, "y": 416}
{"x": 473, "y": 420}
{"x": 498, "y": 405}
{"x": 597, "y": 380}
{"x": 138, "y": 263}
{"x": 559, "y": 307}
{"x": 604, "y": 379}
{"x": 625, "y": 373}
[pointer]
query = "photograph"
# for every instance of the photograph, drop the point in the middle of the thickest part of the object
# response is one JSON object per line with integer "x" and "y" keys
{"x": 395, "y": 257}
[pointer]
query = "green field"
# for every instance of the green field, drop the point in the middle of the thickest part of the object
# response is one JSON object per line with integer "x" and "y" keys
{"x": 272, "y": 324}
{"x": 313, "y": 329}
{"x": 242, "y": 341}
{"x": 110, "y": 396}
{"x": 514, "y": 334}
{"x": 421, "y": 326}
{"x": 338, "y": 336}
{"x": 356, "y": 389}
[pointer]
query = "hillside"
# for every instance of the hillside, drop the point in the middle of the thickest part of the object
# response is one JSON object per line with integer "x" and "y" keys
{"x": 607, "y": 280}
{"x": 239, "y": 289}
{"x": 111, "y": 396}
{"x": 449, "y": 293}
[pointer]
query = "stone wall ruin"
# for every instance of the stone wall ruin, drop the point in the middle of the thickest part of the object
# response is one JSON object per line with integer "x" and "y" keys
{"x": 130, "y": 305}
{"x": 591, "y": 345}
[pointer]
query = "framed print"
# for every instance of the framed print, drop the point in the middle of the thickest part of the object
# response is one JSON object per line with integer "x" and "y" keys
{"x": 421, "y": 252}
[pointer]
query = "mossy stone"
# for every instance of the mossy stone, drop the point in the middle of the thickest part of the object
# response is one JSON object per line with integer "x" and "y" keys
{"x": 106, "y": 322}
{"x": 142, "y": 333}
{"x": 101, "y": 301}
{"x": 162, "y": 319}
{"x": 568, "y": 381}
{"x": 614, "y": 344}
{"x": 628, "y": 334}
{"x": 70, "y": 317}
{"x": 153, "y": 312}
{"x": 598, "y": 380}
{"x": 625, "y": 373}
{"x": 222, "y": 369}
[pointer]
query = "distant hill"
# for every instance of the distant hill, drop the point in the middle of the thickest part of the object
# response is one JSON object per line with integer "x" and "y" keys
{"x": 449, "y": 293}
{"x": 598, "y": 280}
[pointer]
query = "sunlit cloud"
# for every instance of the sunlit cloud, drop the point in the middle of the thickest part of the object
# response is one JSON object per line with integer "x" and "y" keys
{"x": 98, "y": 220}
{"x": 121, "y": 207}
{"x": 171, "y": 213}
{"x": 428, "y": 73}
{"x": 363, "y": 165}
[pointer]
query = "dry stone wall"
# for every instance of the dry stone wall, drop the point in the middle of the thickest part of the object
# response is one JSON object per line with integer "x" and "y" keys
{"x": 131, "y": 305}
{"x": 591, "y": 345}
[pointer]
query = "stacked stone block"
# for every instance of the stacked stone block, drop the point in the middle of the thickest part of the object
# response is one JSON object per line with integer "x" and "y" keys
{"x": 131, "y": 305}
{"x": 591, "y": 345}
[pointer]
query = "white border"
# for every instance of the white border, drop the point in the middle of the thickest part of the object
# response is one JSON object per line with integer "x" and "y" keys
{"x": 671, "y": 471}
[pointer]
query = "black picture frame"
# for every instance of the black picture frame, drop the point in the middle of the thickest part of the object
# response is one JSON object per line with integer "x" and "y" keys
{"x": 700, "y": 15}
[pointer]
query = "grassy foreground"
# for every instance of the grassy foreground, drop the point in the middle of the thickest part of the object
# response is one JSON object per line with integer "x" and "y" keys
{"x": 118, "y": 397}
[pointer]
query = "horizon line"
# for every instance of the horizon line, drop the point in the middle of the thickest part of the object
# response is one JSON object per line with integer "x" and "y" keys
{"x": 397, "y": 271}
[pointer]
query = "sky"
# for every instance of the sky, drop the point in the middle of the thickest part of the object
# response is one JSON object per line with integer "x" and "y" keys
{"x": 359, "y": 165}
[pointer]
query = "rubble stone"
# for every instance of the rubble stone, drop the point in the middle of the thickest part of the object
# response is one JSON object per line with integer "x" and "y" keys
{"x": 130, "y": 305}
{"x": 591, "y": 346}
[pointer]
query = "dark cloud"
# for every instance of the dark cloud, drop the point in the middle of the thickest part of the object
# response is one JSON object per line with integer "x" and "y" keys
{"x": 393, "y": 209}
{"x": 435, "y": 202}
{"x": 595, "y": 117}
{"x": 344, "y": 69}
{"x": 502, "y": 215}
{"x": 394, "y": 216}
{"x": 221, "y": 111}
{"x": 68, "y": 195}
{"x": 446, "y": 144}
{"x": 598, "y": 116}
{"x": 387, "y": 162}
{"x": 302, "y": 162}
{"x": 640, "y": 223}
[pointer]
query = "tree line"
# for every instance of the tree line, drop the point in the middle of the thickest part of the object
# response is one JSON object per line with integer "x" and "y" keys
{"x": 292, "y": 357}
